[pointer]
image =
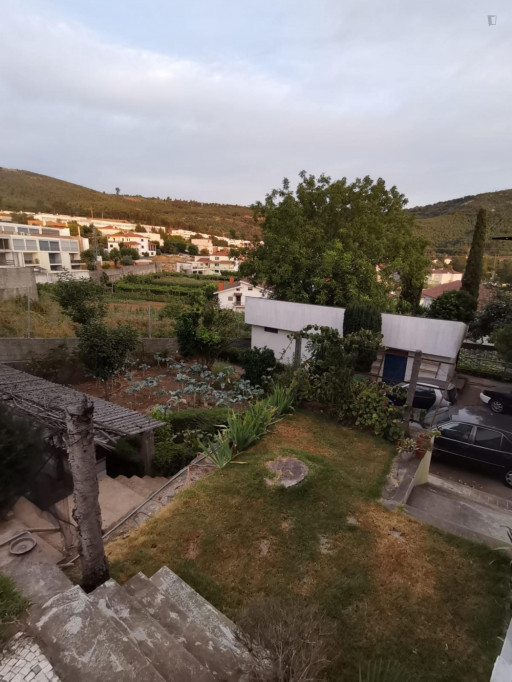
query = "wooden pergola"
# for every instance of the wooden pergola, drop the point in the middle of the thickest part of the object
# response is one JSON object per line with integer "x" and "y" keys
{"x": 47, "y": 402}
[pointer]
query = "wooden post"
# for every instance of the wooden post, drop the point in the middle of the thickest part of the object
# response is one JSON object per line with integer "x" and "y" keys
{"x": 87, "y": 512}
{"x": 297, "y": 353}
{"x": 147, "y": 451}
{"x": 411, "y": 391}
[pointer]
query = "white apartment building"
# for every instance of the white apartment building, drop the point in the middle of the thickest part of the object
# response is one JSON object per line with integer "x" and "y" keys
{"x": 49, "y": 248}
{"x": 443, "y": 276}
{"x": 141, "y": 242}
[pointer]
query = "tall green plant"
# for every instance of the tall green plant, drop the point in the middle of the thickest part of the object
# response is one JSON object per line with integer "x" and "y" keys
{"x": 474, "y": 267}
{"x": 358, "y": 317}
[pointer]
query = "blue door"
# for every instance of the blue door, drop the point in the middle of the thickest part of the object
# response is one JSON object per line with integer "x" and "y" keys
{"x": 394, "y": 368}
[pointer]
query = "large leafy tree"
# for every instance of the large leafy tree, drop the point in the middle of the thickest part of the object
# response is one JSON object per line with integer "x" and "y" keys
{"x": 336, "y": 243}
{"x": 474, "y": 267}
{"x": 496, "y": 314}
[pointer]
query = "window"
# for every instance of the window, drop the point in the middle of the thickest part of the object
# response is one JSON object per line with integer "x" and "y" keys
{"x": 31, "y": 244}
{"x": 54, "y": 246}
{"x": 230, "y": 298}
{"x": 487, "y": 438}
{"x": 4, "y": 244}
{"x": 457, "y": 431}
{"x": 44, "y": 245}
{"x": 271, "y": 330}
{"x": 22, "y": 230}
{"x": 18, "y": 244}
{"x": 69, "y": 245}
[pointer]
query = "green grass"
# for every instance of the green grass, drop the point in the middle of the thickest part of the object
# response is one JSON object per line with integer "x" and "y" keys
{"x": 12, "y": 604}
{"x": 434, "y": 603}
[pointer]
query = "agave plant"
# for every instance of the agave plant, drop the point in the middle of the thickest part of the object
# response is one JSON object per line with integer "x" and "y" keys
{"x": 244, "y": 429}
{"x": 218, "y": 450}
{"x": 282, "y": 399}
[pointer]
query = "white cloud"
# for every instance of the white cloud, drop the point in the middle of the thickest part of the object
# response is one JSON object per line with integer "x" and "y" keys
{"x": 419, "y": 96}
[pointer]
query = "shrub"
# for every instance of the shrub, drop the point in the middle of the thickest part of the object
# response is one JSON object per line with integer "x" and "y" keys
{"x": 231, "y": 354}
{"x": 245, "y": 429}
{"x": 22, "y": 449}
{"x": 359, "y": 317}
{"x": 208, "y": 421}
{"x": 171, "y": 458}
{"x": 258, "y": 364}
{"x": 370, "y": 408}
{"x": 106, "y": 266}
{"x": 185, "y": 329}
{"x": 290, "y": 639}
{"x": 126, "y": 260}
{"x": 459, "y": 306}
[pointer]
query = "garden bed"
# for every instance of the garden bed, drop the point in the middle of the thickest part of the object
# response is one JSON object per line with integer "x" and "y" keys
{"x": 393, "y": 588}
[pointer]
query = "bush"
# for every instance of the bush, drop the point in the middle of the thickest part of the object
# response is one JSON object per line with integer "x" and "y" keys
{"x": 171, "y": 458}
{"x": 81, "y": 299}
{"x": 370, "y": 408}
{"x": 22, "y": 450}
{"x": 126, "y": 260}
{"x": 207, "y": 421}
{"x": 359, "y": 317}
{"x": 459, "y": 306}
{"x": 231, "y": 354}
{"x": 106, "y": 266}
{"x": 258, "y": 364}
{"x": 247, "y": 428}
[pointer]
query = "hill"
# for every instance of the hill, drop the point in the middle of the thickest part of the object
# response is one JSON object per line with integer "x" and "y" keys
{"x": 448, "y": 225}
{"x": 26, "y": 191}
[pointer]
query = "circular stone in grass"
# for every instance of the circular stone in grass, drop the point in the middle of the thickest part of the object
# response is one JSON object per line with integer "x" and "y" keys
{"x": 288, "y": 471}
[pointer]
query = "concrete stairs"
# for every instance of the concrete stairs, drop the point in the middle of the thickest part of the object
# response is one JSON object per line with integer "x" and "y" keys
{"x": 144, "y": 486}
{"x": 148, "y": 630}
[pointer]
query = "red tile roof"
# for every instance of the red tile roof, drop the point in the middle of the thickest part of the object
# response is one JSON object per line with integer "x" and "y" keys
{"x": 434, "y": 292}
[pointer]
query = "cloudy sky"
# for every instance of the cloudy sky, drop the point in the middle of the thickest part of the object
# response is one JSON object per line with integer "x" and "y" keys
{"x": 218, "y": 100}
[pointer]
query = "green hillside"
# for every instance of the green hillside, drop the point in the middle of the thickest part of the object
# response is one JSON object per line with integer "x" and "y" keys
{"x": 448, "y": 225}
{"x": 25, "y": 191}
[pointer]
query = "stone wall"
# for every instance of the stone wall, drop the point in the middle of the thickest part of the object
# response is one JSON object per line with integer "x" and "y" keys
{"x": 19, "y": 351}
{"x": 16, "y": 282}
{"x": 117, "y": 273}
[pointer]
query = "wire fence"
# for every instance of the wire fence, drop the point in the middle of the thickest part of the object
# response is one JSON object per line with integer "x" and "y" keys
{"x": 483, "y": 363}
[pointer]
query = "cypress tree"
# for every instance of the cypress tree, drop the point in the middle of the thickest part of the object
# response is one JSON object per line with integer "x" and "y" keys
{"x": 473, "y": 272}
{"x": 361, "y": 317}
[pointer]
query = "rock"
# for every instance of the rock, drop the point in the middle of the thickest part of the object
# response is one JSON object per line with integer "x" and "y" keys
{"x": 288, "y": 471}
{"x": 352, "y": 521}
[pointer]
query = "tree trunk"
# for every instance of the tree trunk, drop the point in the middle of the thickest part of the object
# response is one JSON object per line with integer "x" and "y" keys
{"x": 87, "y": 513}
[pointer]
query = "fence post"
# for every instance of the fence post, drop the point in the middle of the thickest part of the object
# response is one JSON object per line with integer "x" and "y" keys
{"x": 297, "y": 354}
{"x": 28, "y": 317}
{"x": 149, "y": 321}
{"x": 411, "y": 391}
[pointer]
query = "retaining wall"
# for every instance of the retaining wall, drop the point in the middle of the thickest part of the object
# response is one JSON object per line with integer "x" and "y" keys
{"x": 15, "y": 282}
{"x": 18, "y": 351}
{"x": 117, "y": 273}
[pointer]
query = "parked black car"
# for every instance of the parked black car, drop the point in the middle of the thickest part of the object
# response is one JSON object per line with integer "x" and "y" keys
{"x": 498, "y": 399}
{"x": 469, "y": 439}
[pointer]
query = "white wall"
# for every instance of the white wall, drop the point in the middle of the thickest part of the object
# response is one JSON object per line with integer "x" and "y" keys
{"x": 439, "y": 338}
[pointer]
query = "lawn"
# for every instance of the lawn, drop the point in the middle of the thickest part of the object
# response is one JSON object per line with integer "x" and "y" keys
{"x": 394, "y": 588}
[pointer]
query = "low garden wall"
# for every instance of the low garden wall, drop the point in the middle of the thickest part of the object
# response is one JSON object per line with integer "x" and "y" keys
{"x": 117, "y": 273}
{"x": 19, "y": 352}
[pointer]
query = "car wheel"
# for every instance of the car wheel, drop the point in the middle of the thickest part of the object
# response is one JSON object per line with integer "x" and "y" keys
{"x": 508, "y": 478}
{"x": 496, "y": 405}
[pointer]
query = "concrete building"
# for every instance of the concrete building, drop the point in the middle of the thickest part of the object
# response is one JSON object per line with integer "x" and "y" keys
{"x": 443, "y": 276}
{"x": 232, "y": 296}
{"x": 439, "y": 340}
{"x": 51, "y": 249}
{"x": 141, "y": 242}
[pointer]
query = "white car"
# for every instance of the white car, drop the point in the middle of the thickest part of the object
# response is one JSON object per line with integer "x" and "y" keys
{"x": 429, "y": 396}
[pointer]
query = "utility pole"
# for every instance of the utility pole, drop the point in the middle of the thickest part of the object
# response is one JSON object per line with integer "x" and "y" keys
{"x": 413, "y": 381}
{"x": 28, "y": 317}
{"x": 87, "y": 512}
{"x": 149, "y": 321}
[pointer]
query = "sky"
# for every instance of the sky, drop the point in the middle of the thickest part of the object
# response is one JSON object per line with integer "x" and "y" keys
{"x": 217, "y": 100}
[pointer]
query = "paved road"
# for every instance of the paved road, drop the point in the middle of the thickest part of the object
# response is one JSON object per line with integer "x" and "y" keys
{"x": 470, "y": 405}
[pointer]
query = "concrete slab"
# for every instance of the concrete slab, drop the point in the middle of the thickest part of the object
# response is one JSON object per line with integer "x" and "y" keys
{"x": 480, "y": 521}
{"x": 35, "y": 576}
{"x": 80, "y": 642}
{"x": 8, "y": 529}
{"x": 165, "y": 652}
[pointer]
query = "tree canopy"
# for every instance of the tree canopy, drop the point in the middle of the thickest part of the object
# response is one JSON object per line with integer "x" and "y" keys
{"x": 335, "y": 243}
{"x": 81, "y": 299}
{"x": 458, "y": 306}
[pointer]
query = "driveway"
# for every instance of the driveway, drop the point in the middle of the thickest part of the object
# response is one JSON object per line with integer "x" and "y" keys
{"x": 462, "y": 474}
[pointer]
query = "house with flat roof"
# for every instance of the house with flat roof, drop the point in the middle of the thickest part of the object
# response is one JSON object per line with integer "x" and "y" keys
{"x": 273, "y": 321}
{"x": 52, "y": 249}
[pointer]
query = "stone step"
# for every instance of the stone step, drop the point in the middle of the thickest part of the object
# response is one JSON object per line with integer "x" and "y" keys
{"x": 198, "y": 610}
{"x": 212, "y": 653}
{"x": 154, "y": 482}
{"x": 33, "y": 517}
{"x": 116, "y": 501}
{"x": 12, "y": 527}
{"x": 165, "y": 652}
{"x": 81, "y": 644}
{"x": 137, "y": 484}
